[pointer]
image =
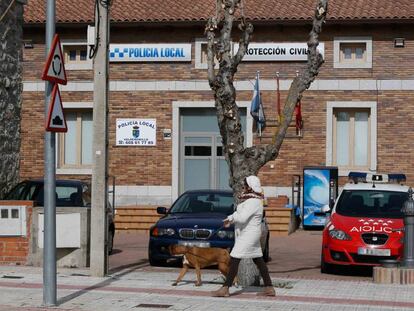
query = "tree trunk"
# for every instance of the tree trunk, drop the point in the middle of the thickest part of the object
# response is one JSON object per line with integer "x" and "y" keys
{"x": 243, "y": 161}
{"x": 248, "y": 273}
{"x": 10, "y": 93}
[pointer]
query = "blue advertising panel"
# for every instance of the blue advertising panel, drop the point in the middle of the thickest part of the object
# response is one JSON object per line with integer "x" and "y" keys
{"x": 316, "y": 194}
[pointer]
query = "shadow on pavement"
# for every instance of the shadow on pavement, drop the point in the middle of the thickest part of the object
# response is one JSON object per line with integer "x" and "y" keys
{"x": 136, "y": 265}
{"x": 353, "y": 270}
{"x": 295, "y": 270}
{"x": 116, "y": 251}
{"x": 130, "y": 268}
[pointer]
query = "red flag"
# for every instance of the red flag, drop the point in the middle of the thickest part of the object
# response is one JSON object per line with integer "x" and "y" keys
{"x": 298, "y": 117}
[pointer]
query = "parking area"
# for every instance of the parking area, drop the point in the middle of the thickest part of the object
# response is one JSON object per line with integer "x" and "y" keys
{"x": 293, "y": 256}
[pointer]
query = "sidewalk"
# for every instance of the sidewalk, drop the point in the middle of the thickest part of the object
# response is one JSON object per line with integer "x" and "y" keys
{"x": 137, "y": 289}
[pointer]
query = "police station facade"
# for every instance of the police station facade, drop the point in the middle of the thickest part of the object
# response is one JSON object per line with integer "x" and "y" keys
{"x": 163, "y": 134}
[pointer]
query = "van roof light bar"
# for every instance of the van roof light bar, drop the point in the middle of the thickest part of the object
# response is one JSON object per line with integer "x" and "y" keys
{"x": 397, "y": 178}
{"x": 357, "y": 177}
{"x": 376, "y": 178}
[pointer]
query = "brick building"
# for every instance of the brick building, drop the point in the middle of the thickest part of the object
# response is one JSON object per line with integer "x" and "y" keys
{"x": 356, "y": 114}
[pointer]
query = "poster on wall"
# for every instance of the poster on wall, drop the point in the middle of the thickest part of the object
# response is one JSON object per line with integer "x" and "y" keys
{"x": 320, "y": 188}
{"x": 136, "y": 132}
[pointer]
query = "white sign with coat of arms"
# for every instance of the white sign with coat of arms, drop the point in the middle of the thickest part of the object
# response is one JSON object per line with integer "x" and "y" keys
{"x": 136, "y": 132}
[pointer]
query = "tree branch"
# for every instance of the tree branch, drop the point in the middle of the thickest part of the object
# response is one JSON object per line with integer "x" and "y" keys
{"x": 210, "y": 28}
{"x": 224, "y": 45}
{"x": 243, "y": 43}
{"x": 302, "y": 82}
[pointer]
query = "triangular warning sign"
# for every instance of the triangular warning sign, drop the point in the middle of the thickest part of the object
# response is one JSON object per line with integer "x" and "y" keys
{"x": 55, "y": 68}
{"x": 56, "y": 121}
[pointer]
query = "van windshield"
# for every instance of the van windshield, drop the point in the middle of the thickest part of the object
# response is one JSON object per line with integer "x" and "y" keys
{"x": 368, "y": 203}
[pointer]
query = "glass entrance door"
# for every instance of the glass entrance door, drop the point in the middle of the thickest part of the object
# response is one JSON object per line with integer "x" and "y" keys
{"x": 202, "y": 162}
{"x": 204, "y": 166}
{"x": 222, "y": 168}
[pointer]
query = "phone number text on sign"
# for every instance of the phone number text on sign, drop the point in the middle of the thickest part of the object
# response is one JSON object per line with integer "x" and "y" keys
{"x": 136, "y": 132}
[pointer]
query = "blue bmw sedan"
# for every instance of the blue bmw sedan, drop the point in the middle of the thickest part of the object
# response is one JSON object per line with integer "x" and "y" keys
{"x": 196, "y": 219}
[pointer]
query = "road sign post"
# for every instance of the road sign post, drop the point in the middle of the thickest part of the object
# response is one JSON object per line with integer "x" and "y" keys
{"x": 49, "y": 244}
{"x": 54, "y": 72}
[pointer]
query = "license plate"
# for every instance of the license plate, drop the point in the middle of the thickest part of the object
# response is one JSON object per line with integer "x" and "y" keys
{"x": 374, "y": 251}
{"x": 194, "y": 243}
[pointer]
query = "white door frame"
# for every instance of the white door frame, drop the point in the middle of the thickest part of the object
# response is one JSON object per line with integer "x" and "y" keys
{"x": 176, "y": 135}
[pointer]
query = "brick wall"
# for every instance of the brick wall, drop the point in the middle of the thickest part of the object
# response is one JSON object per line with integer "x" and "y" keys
{"x": 15, "y": 250}
{"x": 152, "y": 166}
{"x": 387, "y": 62}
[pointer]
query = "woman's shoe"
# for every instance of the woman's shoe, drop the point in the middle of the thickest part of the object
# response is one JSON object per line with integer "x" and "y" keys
{"x": 268, "y": 291}
{"x": 222, "y": 292}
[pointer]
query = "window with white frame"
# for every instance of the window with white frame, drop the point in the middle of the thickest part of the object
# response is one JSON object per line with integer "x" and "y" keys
{"x": 351, "y": 136}
{"x": 75, "y": 146}
{"x": 352, "y": 52}
{"x": 76, "y": 55}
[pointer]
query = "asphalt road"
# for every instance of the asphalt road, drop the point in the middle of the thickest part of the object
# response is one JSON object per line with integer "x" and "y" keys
{"x": 293, "y": 256}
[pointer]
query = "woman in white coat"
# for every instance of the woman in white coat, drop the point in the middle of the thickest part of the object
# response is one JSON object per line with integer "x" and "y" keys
{"x": 247, "y": 220}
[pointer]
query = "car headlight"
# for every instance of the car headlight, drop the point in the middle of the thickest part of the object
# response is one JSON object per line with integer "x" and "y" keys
{"x": 339, "y": 235}
{"x": 222, "y": 234}
{"x": 162, "y": 231}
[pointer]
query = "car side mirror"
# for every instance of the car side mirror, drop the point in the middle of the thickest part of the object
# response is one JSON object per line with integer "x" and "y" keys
{"x": 161, "y": 210}
{"x": 326, "y": 209}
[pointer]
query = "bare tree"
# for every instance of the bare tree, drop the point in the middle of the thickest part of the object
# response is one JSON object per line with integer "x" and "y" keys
{"x": 243, "y": 161}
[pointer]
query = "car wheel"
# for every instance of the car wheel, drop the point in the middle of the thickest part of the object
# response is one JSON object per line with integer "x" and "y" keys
{"x": 110, "y": 242}
{"x": 326, "y": 268}
{"x": 266, "y": 250}
{"x": 155, "y": 262}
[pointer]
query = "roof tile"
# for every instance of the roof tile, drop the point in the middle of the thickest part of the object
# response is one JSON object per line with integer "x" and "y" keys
{"x": 200, "y": 10}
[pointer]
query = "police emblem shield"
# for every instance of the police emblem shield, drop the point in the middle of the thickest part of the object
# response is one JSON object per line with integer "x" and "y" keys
{"x": 135, "y": 132}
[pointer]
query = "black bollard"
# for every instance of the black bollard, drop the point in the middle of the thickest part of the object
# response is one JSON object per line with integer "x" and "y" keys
{"x": 408, "y": 211}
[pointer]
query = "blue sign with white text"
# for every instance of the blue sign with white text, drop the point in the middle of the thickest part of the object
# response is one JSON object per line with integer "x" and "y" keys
{"x": 174, "y": 52}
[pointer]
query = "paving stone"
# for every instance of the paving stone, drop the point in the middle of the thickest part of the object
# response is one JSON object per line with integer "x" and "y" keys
{"x": 125, "y": 291}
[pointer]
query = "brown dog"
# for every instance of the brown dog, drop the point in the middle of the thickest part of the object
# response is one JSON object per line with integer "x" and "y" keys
{"x": 198, "y": 258}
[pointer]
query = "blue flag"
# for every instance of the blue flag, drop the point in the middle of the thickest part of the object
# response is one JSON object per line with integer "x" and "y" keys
{"x": 256, "y": 108}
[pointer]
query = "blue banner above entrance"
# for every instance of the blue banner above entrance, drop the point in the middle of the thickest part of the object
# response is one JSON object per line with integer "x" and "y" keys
{"x": 168, "y": 52}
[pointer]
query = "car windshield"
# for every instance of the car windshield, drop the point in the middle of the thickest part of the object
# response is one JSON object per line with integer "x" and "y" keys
{"x": 17, "y": 193}
{"x": 367, "y": 203}
{"x": 204, "y": 202}
{"x": 67, "y": 194}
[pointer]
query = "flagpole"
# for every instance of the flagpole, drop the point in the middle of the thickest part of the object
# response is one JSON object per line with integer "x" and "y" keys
{"x": 259, "y": 127}
{"x": 298, "y": 114}
{"x": 278, "y": 97}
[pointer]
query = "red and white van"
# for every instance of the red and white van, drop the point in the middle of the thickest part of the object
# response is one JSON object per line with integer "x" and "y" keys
{"x": 366, "y": 222}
